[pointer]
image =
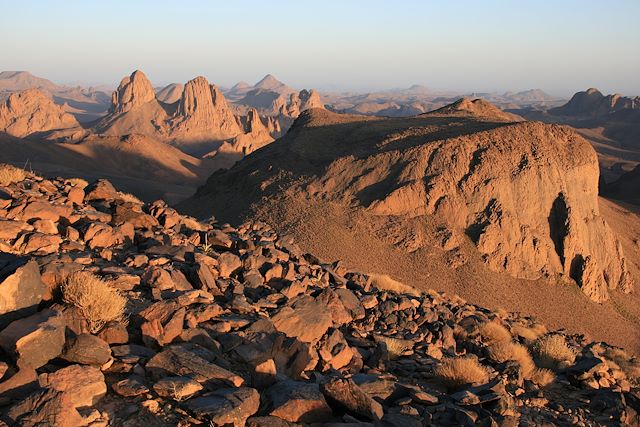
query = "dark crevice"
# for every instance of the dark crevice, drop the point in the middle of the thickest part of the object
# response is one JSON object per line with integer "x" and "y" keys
{"x": 559, "y": 225}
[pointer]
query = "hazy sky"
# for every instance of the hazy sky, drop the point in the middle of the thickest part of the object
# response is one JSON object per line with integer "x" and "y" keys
{"x": 560, "y": 46}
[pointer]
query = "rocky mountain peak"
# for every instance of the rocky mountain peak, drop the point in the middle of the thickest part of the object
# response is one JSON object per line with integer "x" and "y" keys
{"x": 203, "y": 109}
{"x": 133, "y": 91}
{"x": 303, "y": 100}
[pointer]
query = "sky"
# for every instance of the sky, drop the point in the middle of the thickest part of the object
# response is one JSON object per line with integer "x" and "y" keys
{"x": 560, "y": 46}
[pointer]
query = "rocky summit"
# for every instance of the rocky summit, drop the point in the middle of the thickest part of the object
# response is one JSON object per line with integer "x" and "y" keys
{"x": 115, "y": 312}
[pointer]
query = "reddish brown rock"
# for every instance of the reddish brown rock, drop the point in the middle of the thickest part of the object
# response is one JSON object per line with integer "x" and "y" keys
{"x": 347, "y": 395}
{"x": 34, "y": 340}
{"x": 304, "y": 318}
{"x": 84, "y": 385}
{"x": 180, "y": 361}
{"x": 297, "y": 402}
{"x": 86, "y": 349}
{"x": 31, "y": 111}
{"x": 21, "y": 289}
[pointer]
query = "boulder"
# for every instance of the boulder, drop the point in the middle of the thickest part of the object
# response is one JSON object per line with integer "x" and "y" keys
{"x": 182, "y": 360}
{"x": 177, "y": 388}
{"x": 304, "y": 318}
{"x": 297, "y": 401}
{"x": 21, "y": 288}
{"x": 345, "y": 394}
{"x": 84, "y": 385}
{"x": 86, "y": 349}
{"x": 34, "y": 340}
{"x": 227, "y": 406}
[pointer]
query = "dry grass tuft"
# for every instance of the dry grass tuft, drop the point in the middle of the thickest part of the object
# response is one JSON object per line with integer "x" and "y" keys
{"x": 94, "y": 298}
{"x": 552, "y": 350}
{"x": 455, "y": 372}
{"x": 503, "y": 351}
{"x": 10, "y": 174}
{"x": 630, "y": 366}
{"x": 529, "y": 334}
{"x": 494, "y": 332}
{"x": 386, "y": 283}
{"x": 542, "y": 377}
{"x": 127, "y": 197}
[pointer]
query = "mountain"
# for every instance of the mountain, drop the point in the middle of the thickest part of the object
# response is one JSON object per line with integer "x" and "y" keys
{"x": 198, "y": 123}
{"x": 85, "y": 104}
{"x": 464, "y": 203}
{"x": 31, "y": 111}
{"x": 301, "y": 101}
{"x": 134, "y": 109}
{"x": 270, "y": 83}
{"x": 170, "y": 93}
{"x": 626, "y": 188}
{"x": 476, "y": 108}
{"x": 592, "y": 103}
{"x": 12, "y": 81}
{"x": 203, "y": 113}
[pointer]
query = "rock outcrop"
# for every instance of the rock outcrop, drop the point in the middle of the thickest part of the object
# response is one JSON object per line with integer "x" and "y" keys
{"x": 476, "y": 108}
{"x": 525, "y": 194}
{"x": 31, "y": 111}
{"x": 238, "y": 326}
{"x": 134, "y": 91}
{"x": 301, "y": 101}
{"x": 203, "y": 113}
{"x": 592, "y": 103}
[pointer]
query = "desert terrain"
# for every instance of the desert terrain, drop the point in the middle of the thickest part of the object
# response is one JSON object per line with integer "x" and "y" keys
{"x": 266, "y": 255}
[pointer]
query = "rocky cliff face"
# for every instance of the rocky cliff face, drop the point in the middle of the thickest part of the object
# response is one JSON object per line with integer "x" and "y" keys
{"x": 525, "y": 194}
{"x": 202, "y": 110}
{"x": 133, "y": 91}
{"x": 31, "y": 111}
{"x": 301, "y": 101}
{"x": 223, "y": 326}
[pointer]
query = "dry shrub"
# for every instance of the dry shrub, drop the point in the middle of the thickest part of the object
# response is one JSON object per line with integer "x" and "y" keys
{"x": 542, "y": 377}
{"x": 494, "y": 332}
{"x": 455, "y": 372}
{"x": 11, "y": 174}
{"x": 503, "y": 351}
{"x": 94, "y": 299}
{"x": 552, "y": 350}
{"x": 529, "y": 334}
{"x": 395, "y": 347}
{"x": 630, "y": 366}
{"x": 127, "y": 197}
{"x": 386, "y": 283}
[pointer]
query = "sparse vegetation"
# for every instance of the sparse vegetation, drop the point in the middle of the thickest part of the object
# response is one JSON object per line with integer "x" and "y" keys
{"x": 552, "y": 352}
{"x": 386, "y": 283}
{"x": 94, "y": 298}
{"x": 542, "y": 377}
{"x": 10, "y": 174}
{"x": 529, "y": 333}
{"x": 503, "y": 351}
{"x": 629, "y": 365}
{"x": 127, "y": 197}
{"x": 494, "y": 332}
{"x": 455, "y": 372}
